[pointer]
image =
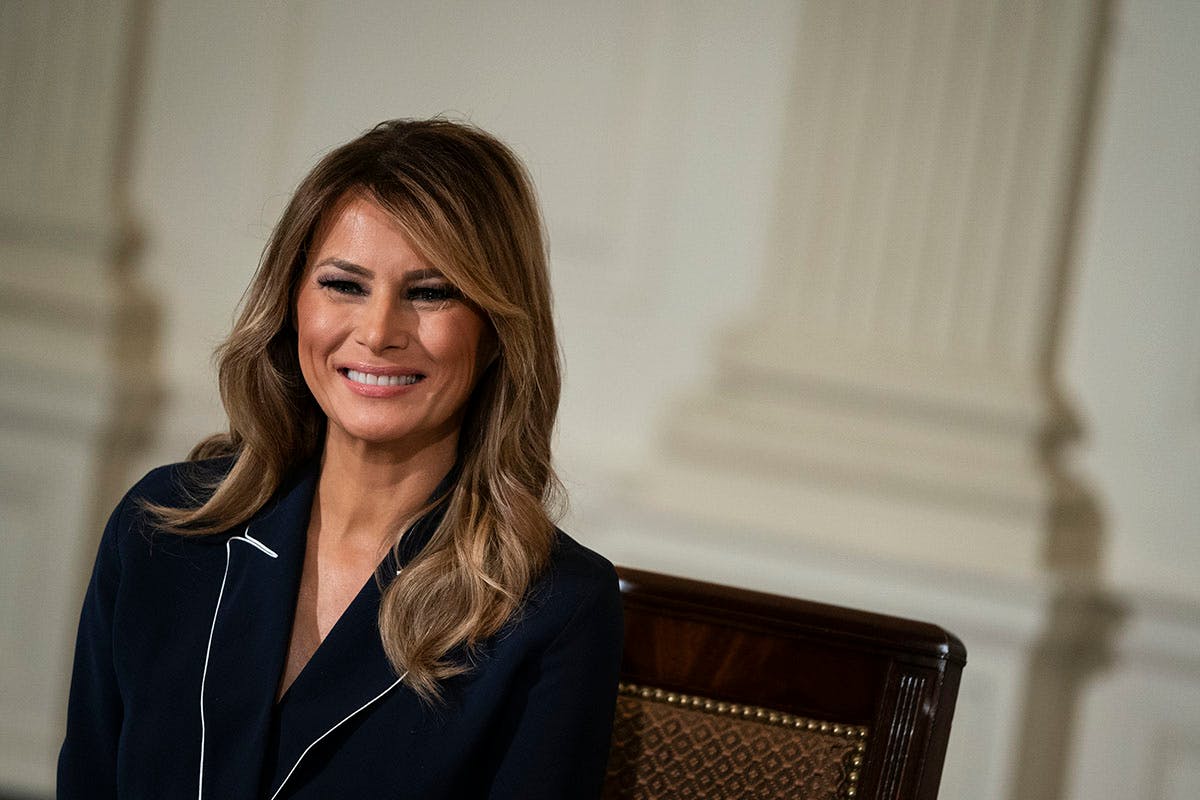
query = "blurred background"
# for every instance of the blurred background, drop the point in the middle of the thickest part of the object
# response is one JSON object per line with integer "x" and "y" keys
{"x": 886, "y": 304}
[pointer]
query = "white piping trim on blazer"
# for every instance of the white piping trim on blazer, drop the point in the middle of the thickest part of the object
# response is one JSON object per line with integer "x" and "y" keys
{"x": 331, "y": 730}
{"x": 250, "y": 540}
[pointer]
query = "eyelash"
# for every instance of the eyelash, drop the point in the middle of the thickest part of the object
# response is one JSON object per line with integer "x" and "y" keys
{"x": 433, "y": 294}
{"x": 417, "y": 294}
{"x": 340, "y": 286}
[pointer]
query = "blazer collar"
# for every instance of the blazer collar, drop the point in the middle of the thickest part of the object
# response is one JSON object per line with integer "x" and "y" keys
{"x": 250, "y": 633}
{"x": 251, "y": 626}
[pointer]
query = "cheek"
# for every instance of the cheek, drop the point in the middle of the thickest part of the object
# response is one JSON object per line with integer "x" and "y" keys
{"x": 457, "y": 342}
{"x": 316, "y": 328}
{"x": 317, "y": 336}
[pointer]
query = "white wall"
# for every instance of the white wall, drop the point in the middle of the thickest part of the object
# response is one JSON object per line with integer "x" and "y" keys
{"x": 1132, "y": 362}
{"x": 1133, "y": 354}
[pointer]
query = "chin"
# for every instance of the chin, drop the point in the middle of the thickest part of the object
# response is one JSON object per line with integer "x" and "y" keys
{"x": 386, "y": 433}
{"x": 379, "y": 438}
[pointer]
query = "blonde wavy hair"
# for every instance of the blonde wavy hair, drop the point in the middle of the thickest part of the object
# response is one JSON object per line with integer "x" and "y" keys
{"x": 468, "y": 206}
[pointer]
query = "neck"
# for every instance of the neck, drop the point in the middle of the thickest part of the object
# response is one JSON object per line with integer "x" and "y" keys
{"x": 365, "y": 496}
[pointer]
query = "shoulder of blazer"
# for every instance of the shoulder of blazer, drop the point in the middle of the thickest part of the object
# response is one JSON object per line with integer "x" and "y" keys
{"x": 180, "y": 485}
{"x": 186, "y": 483}
{"x": 576, "y": 580}
{"x": 574, "y": 565}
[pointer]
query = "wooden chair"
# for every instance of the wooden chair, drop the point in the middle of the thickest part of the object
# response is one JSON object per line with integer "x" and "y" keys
{"x": 727, "y": 693}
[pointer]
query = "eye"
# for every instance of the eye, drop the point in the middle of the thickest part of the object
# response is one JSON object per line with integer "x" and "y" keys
{"x": 341, "y": 286}
{"x": 439, "y": 294}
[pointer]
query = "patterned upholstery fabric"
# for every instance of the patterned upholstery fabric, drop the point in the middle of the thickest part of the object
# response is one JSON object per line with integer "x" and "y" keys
{"x": 669, "y": 746}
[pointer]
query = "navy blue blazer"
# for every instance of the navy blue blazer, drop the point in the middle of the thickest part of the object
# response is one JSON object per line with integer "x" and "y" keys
{"x": 182, "y": 641}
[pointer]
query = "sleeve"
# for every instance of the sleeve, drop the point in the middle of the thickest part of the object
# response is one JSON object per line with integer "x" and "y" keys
{"x": 87, "y": 762}
{"x": 564, "y": 724}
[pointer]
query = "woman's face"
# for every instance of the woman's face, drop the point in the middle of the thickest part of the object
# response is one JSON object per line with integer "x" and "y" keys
{"x": 387, "y": 346}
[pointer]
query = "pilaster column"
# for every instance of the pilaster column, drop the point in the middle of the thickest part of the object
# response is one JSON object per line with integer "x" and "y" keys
{"x": 70, "y": 314}
{"x": 891, "y": 392}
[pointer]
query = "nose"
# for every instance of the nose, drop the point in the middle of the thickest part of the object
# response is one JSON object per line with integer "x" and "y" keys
{"x": 383, "y": 324}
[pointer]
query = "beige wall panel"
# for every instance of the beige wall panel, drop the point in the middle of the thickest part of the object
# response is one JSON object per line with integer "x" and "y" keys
{"x": 62, "y": 88}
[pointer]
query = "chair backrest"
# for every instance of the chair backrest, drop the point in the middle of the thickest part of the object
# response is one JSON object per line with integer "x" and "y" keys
{"x": 728, "y": 693}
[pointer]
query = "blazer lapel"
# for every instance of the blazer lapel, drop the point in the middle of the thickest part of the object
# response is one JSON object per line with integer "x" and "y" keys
{"x": 347, "y": 675}
{"x": 251, "y": 626}
{"x": 350, "y": 671}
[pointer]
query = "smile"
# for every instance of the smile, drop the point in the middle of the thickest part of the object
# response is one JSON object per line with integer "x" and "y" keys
{"x": 367, "y": 379}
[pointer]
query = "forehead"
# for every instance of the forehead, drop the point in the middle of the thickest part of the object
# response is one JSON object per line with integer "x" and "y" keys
{"x": 353, "y": 217}
{"x": 359, "y": 230}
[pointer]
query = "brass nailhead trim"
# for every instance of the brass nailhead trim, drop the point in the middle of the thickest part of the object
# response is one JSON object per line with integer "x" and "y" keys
{"x": 858, "y": 732}
{"x": 855, "y": 732}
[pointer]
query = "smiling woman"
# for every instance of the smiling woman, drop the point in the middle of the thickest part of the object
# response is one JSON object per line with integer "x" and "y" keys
{"x": 358, "y": 591}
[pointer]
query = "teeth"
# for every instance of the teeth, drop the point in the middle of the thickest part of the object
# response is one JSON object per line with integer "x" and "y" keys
{"x": 368, "y": 379}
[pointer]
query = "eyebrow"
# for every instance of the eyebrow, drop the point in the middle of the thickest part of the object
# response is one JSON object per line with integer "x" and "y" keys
{"x": 357, "y": 269}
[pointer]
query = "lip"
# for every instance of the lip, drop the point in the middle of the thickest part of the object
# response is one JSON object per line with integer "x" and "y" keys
{"x": 365, "y": 390}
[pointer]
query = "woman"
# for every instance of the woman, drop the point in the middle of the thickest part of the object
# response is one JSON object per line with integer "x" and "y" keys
{"x": 358, "y": 591}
